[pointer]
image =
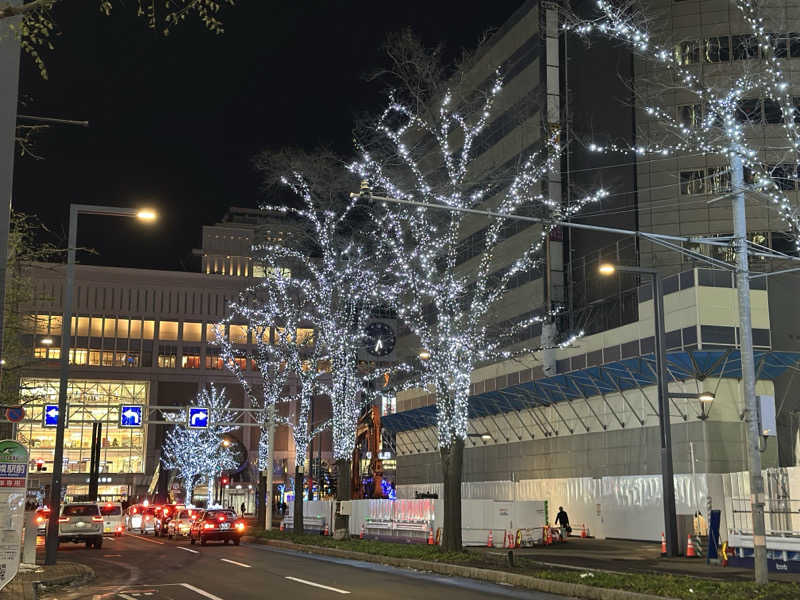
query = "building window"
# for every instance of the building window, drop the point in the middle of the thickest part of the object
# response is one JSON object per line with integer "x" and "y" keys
{"x": 123, "y": 326}
{"x": 772, "y": 112}
{"x": 96, "y": 327}
{"x": 168, "y": 330}
{"x": 192, "y": 332}
{"x": 689, "y": 115}
{"x": 785, "y": 176}
{"x": 83, "y": 326}
{"x": 688, "y": 53}
{"x": 717, "y": 49}
{"x": 190, "y": 361}
{"x": 167, "y": 361}
{"x": 718, "y": 180}
{"x": 794, "y": 44}
{"x": 749, "y": 111}
{"x": 109, "y": 328}
{"x": 131, "y": 359}
{"x": 744, "y": 47}
{"x": 779, "y": 44}
{"x": 238, "y": 334}
{"x": 213, "y": 361}
{"x": 148, "y": 330}
{"x": 122, "y": 450}
{"x": 692, "y": 182}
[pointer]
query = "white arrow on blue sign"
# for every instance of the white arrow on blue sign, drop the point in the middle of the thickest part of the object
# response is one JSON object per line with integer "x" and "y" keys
{"x": 50, "y": 416}
{"x": 198, "y": 417}
{"x": 130, "y": 415}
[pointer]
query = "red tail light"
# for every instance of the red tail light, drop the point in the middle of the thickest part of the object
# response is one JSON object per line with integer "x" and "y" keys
{"x": 193, "y": 517}
{"x": 119, "y": 527}
{"x": 240, "y": 526}
{"x": 221, "y": 518}
{"x": 63, "y": 519}
{"x": 97, "y": 519}
{"x": 40, "y": 519}
{"x": 147, "y": 517}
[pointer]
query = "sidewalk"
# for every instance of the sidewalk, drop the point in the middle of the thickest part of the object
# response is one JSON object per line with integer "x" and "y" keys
{"x": 625, "y": 556}
{"x": 24, "y": 585}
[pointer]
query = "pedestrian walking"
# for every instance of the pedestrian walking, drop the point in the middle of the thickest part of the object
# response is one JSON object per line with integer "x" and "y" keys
{"x": 242, "y": 507}
{"x": 562, "y": 519}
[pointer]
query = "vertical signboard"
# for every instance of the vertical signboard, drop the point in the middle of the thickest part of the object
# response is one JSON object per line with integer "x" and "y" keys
{"x": 13, "y": 483}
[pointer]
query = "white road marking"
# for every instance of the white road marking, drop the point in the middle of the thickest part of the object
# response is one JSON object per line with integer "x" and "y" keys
{"x": 203, "y": 593}
{"x": 125, "y": 596}
{"x": 110, "y": 539}
{"x": 317, "y": 585}
{"x": 233, "y": 562}
{"x": 111, "y": 555}
{"x": 139, "y": 537}
{"x": 188, "y": 549}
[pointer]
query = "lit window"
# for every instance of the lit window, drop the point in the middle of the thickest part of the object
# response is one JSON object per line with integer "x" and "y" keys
{"x": 211, "y": 332}
{"x": 693, "y": 182}
{"x": 687, "y": 53}
{"x": 190, "y": 361}
{"x": 40, "y": 352}
{"x": 166, "y": 361}
{"x": 55, "y": 324}
{"x": 168, "y": 330}
{"x": 717, "y": 49}
{"x": 79, "y": 356}
{"x": 238, "y": 334}
{"x": 41, "y": 324}
{"x": 213, "y": 362}
{"x": 83, "y": 326}
{"x": 122, "y": 328}
{"x": 192, "y": 332}
{"x": 96, "y": 328}
{"x": 148, "y": 329}
{"x": 744, "y": 47}
{"x": 136, "y": 329}
{"x": 718, "y": 180}
{"x": 689, "y": 115}
{"x": 94, "y": 358}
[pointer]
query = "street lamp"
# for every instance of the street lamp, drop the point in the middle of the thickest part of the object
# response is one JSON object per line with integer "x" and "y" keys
{"x": 47, "y": 341}
{"x": 51, "y": 542}
{"x": 486, "y": 437}
{"x": 667, "y": 483}
{"x": 424, "y": 355}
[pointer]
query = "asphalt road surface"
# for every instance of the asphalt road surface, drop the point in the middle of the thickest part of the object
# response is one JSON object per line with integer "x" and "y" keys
{"x": 137, "y": 567}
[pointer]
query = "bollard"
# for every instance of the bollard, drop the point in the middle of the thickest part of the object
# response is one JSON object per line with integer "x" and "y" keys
{"x": 510, "y": 558}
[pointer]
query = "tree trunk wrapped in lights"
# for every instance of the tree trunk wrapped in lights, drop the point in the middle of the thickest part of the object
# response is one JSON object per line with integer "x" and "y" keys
{"x": 289, "y": 363}
{"x": 421, "y": 149}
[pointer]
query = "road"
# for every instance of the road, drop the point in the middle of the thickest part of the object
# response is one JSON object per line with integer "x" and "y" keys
{"x": 149, "y": 568}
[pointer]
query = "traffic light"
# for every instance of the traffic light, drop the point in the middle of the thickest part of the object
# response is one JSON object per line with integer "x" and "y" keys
{"x": 40, "y": 464}
{"x": 224, "y": 480}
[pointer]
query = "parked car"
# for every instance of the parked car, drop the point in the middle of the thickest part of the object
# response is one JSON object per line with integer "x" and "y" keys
{"x": 217, "y": 525}
{"x": 180, "y": 524}
{"x": 112, "y": 517}
{"x": 81, "y": 522}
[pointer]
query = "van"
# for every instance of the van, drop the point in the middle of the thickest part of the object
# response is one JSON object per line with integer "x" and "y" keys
{"x": 112, "y": 517}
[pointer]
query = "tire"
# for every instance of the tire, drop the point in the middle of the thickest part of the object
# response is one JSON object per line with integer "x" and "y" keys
{"x": 169, "y": 536}
{"x": 98, "y": 544}
{"x": 203, "y": 541}
{"x": 236, "y": 541}
{"x": 89, "y": 544}
{"x": 191, "y": 541}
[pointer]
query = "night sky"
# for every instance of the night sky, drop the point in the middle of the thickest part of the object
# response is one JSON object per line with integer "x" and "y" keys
{"x": 176, "y": 120}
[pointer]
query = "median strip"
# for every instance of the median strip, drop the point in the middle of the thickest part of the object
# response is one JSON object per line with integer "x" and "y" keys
{"x": 318, "y": 585}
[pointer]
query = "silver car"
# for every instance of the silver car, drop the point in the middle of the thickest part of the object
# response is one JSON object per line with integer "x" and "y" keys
{"x": 81, "y": 522}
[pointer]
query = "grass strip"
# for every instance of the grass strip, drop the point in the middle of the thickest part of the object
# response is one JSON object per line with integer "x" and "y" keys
{"x": 656, "y": 584}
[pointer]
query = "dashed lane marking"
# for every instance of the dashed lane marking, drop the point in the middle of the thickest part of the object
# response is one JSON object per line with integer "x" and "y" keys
{"x": 111, "y": 555}
{"x": 188, "y": 549}
{"x": 203, "y": 593}
{"x": 318, "y": 585}
{"x": 233, "y": 562}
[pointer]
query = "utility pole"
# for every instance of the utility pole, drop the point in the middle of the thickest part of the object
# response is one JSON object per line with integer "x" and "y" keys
{"x": 748, "y": 370}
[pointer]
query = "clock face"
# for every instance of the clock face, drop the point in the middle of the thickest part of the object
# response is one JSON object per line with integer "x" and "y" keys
{"x": 379, "y": 339}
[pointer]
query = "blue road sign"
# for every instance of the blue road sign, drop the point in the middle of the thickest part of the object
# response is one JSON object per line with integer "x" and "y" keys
{"x": 50, "y": 416}
{"x": 130, "y": 415}
{"x": 198, "y": 417}
{"x": 15, "y": 414}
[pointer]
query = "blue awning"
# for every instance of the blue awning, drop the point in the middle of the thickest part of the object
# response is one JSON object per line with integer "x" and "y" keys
{"x": 621, "y": 375}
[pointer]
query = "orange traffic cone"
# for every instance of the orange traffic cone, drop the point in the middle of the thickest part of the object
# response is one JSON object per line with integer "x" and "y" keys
{"x": 583, "y": 531}
{"x": 690, "y": 553}
{"x": 326, "y": 532}
{"x": 490, "y": 541}
{"x": 663, "y": 545}
{"x": 361, "y": 535}
{"x": 549, "y": 536}
{"x": 430, "y": 536}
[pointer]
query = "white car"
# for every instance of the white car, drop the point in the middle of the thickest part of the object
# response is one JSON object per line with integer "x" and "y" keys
{"x": 140, "y": 518}
{"x": 180, "y": 523}
{"x": 112, "y": 517}
{"x": 81, "y": 522}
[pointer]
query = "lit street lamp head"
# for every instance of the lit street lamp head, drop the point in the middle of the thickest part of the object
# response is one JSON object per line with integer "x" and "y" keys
{"x": 706, "y": 397}
{"x": 48, "y": 341}
{"x": 424, "y": 355}
{"x": 147, "y": 214}
{"x": 607, "y": 269}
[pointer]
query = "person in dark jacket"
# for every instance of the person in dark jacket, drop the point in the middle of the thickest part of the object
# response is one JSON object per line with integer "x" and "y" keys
{"x": 562, "y": 519}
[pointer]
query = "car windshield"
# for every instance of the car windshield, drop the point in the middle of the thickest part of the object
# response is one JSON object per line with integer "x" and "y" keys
{"x": 108, "y": 511}
{"x": 80, "y": 510}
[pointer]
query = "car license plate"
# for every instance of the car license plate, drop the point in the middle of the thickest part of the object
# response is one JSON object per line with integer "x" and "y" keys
{"x": 224, "y": 525}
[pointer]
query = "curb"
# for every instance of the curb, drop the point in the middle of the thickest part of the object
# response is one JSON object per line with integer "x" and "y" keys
{"x": 82, "y": 574}
{"x": 574, "y": 590}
